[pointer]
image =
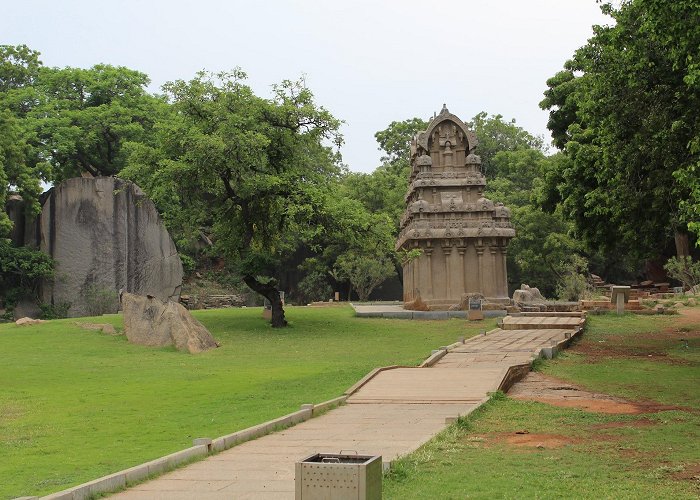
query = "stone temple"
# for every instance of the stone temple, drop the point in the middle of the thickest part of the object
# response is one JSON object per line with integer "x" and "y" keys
{"x": 462, "y": 235}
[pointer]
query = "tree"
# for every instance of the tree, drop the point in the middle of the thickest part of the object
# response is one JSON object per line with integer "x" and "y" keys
{"x": 365, "y": 271}
{"x": 256, "y": 171}
{"x": 19, "y": 69}
{"x": 85, "y": 116}
{"x": 624, "y": 110}
{"x": 496, "y": 135}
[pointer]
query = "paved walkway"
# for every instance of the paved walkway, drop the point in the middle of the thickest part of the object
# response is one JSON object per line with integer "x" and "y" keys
{"x": 391, "y": 415}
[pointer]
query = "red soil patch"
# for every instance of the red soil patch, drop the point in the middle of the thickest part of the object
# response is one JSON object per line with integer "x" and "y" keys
{"x": 525, "y": 439}
{"x": 544, "y": 441}
{"x": 689, "y": 473}
{"x": 544, "y": 389}
{"x": 610, "y": 406}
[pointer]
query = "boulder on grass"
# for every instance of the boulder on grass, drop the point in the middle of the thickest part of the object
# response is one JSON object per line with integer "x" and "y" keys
{"x": 463, "y": 304}
{"x": 152, "y": 322}
{"x": 528, "y": 295}
{"x": 416, "y": 305}
{"x": 28, "y": 321}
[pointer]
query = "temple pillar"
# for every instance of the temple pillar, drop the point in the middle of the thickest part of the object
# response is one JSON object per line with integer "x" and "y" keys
{"x": 492, "y": 287}
{"x": 504, "y": 260}
{"x": 429, "y": 281}
{"x": 480, "y": 267}
{"x": 462, "y": 285}
{"x": 446, "y": 252}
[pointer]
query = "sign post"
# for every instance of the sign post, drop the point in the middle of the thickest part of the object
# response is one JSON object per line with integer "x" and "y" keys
{"x": 475, "y": 312}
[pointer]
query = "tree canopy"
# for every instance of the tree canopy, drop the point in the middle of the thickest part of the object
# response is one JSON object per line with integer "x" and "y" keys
{"x": 256, "y": 171}
{"x": 624, "y": 111}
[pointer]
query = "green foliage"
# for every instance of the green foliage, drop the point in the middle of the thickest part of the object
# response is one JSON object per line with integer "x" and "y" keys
{"x": 574, "y": 284}
{"x": 496, "y": 136}
{"x": 314, "y": 286}
{"x": 255, "y": 171}
{"x": 683, "y": 269}
{"x": 54, "y": 311}
{"x": 364, "y": 271}
{"x": 624, "y": 111}
{"x": 188, "y": 263}
{"x": 85, "y": 116}
{"x": 22, "y": 268}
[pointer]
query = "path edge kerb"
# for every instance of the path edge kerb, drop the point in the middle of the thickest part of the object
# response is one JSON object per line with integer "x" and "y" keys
{"x": 123, "y": 478}
{"x": 118, "y": 480}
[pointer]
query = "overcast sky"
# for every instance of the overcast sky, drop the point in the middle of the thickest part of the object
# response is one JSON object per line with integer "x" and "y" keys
{"x": 368, "y": 62}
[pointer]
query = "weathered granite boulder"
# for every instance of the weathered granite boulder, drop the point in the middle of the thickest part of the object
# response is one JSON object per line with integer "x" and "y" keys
{"x": 28, "y": 321}
{"x": 528, "y": 295}
{"x": 417, "y": 304}
{"x": 153, "y": 322}
{"x": 106, "y": 236}
{"x": 463, "y": 304}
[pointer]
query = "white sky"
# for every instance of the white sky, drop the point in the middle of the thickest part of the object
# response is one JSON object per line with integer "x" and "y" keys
{"x": 368, "y": 62}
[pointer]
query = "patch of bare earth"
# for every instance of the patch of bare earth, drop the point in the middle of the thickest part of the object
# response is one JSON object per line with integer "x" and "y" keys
{"x": 538, "y": 387}
{"x": 525, "y": 439}
{"x": 650, "y": 346}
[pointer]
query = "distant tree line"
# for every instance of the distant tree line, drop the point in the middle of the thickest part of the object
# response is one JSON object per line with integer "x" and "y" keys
{"x": 261, "y": 181}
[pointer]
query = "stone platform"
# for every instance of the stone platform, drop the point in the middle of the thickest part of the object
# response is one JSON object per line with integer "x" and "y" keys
{"x": 396, "y": 311}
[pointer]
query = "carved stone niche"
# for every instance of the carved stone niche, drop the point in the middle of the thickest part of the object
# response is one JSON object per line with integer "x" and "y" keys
{"x": 452, "y": 208}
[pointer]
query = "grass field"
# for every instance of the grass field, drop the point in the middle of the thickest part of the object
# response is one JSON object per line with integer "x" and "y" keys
{"x": 526, "y": 449}
{"x": 76, "y": 404}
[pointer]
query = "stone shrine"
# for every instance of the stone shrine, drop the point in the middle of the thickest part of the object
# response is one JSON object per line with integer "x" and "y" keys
{"x": 462, "y": 235}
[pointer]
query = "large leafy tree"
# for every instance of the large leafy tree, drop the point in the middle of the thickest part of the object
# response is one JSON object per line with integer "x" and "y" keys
{"x": 85, "y": 116}
{"x": 256, "y": 171}
{"x": 19, "y": 70}
{"x": 624, "y": 109}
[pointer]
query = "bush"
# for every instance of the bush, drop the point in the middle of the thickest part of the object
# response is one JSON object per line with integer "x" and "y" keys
{"x": 573, "y": 284}
{"x": 188, "y": 263}
{"x": 54, "y": 311}
{"x": 686, "y": 271}
{"x": 314, "y": 287}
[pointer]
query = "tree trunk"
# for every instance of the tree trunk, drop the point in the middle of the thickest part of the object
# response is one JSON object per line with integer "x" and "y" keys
{"x": 271, "y": 293}
{"x": 682, "y": 244}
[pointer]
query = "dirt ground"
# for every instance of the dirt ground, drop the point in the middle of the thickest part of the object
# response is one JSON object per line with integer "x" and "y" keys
{"x": 538, "y": 387}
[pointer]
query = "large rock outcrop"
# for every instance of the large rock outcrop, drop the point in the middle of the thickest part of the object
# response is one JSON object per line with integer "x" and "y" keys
{"x": 528, "y": 295}
{"x": 106, "y": 236}
{"x": 153, "y": 322}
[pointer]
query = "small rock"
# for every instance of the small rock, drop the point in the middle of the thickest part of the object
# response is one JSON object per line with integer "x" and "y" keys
{"x": 692, "y": 302}
{"x": 28, "y": 321}
{"x": 678, "y": 304}
{"x": 103, "y": 327}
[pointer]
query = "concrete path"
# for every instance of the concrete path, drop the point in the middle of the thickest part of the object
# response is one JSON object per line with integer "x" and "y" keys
{"x": 392, "y": 414}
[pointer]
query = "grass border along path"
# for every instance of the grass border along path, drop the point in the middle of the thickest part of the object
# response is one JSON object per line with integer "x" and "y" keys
{"x": 77, "y": 404}
{"x": 525, "y": 449}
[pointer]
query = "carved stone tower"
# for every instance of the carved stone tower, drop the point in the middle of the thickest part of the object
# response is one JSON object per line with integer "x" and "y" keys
{"x": 462, "y": 235}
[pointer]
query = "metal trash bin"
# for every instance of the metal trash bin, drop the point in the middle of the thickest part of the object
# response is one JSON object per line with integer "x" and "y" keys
{"x": 326, "y": 476}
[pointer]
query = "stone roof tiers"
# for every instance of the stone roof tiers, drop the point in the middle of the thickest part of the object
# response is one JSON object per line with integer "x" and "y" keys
{"x": 446, "y": 207}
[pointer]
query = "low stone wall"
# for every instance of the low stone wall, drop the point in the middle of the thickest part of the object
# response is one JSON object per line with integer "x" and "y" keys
{"x": 212, "y": 301}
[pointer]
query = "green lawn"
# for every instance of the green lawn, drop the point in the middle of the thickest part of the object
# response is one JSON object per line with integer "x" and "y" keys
{"x": 583, "y": 454}
{"x": 77, "y": 404}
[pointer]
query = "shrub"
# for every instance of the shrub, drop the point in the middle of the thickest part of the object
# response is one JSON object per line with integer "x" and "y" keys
{"x": 686, "y": 271}
{"x": 54, "y": 311}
